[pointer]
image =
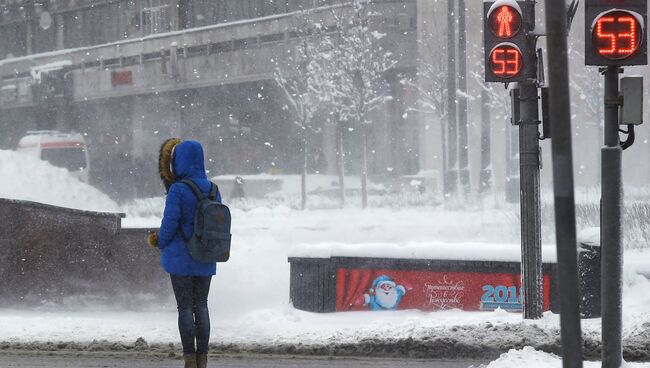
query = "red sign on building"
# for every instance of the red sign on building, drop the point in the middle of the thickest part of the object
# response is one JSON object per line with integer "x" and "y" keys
{"x": 121, "y": 78}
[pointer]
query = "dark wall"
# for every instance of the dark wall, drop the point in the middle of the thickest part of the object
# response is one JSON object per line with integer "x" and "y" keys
{"x": 108, "y": 130}
{"x": 14, "y": 123}
{"x": 243, "y": 128}
{"x": 13, "y": 39}
{"x": 100, "y": 24}
{"x": 51, "y": 254}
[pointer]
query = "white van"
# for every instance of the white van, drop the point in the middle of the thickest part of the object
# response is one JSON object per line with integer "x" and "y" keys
{"x": 66, "y": 150}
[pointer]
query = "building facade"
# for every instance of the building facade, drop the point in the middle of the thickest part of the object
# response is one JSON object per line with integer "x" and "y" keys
{"x": 129, "y": 74}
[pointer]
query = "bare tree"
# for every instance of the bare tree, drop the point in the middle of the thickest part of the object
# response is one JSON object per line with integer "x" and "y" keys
{"x": 358, "y": 83}
{"x": 299, "y": 79}
{"x": 429, "y": 87}
{"x": 329, "y": 78}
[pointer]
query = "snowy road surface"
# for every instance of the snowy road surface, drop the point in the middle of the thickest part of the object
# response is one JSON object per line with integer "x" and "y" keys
{"x": 92, "y": 360}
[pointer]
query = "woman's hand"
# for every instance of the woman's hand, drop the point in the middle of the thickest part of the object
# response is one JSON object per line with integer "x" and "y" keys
{"x": 152, "y": 239}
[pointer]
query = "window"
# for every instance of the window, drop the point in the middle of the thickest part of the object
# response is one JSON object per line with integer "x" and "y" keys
{"x": 94, "y": 25}
{"x": 12, "y": 41}
{"x": 155, "y": 17}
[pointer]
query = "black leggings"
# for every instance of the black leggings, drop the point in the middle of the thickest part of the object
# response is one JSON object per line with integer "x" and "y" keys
{"x": 193, "y": 318}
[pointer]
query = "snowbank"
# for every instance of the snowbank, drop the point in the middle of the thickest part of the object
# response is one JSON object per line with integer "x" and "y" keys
{"x": 28, "y": 178}
{"x": 423, "y": 250}
{"x": 531, "y": 358}
{"x": 291, "y": 184}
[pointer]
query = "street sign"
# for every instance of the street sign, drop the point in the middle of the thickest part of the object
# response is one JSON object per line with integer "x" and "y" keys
{"x": 504, "y": 32}
{"x": 615, "y": 32}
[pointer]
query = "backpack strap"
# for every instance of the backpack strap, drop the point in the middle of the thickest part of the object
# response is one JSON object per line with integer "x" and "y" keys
{"x": 213, "y": 192}
{"x": 180, "y": 230}
{"x": 195, "y": 188}
{"x": 199, "y": 195}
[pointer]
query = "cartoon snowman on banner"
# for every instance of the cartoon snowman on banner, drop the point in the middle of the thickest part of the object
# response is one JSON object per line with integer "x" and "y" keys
{"x": 384, "y": 294}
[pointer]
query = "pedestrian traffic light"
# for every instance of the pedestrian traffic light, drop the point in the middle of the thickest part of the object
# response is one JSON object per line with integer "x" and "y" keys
{"x": 615, "y": 32}
{"x": 504, "y": 34}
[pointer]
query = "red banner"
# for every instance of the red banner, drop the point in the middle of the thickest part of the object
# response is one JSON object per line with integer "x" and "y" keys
{"x": 367, "y": 289}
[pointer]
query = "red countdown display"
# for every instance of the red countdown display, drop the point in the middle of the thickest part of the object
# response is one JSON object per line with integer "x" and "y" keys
{"x": 617, "y": 34}
{"x": 505, "y": 60}
{"x": 505, "y": 21}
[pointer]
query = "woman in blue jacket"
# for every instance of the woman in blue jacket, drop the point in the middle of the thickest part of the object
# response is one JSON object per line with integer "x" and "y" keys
{"x": 183, "y": 160}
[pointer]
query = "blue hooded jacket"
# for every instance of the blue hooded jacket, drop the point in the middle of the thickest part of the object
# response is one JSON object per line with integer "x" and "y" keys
{"x": 180, "y": 205}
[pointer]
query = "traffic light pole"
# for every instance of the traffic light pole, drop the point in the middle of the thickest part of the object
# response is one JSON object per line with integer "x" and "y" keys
{"x": 531, "y": 240}
{"x": 610, "y": 226}
{"x": 512, "y": 57}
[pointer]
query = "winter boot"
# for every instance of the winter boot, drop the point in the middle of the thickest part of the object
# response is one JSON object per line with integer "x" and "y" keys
{"x": 190, "y": 360}
{"x": 201, "y": 360}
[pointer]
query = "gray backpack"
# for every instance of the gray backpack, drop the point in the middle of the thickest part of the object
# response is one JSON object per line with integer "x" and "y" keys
{"x": 210, "y": 241}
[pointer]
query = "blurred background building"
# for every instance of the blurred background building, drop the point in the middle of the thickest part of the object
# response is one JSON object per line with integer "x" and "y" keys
{"x": 129, "y": 74}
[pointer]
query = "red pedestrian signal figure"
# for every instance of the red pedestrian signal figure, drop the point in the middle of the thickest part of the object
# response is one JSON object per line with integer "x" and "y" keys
{"x": 505, "y": 22}
{"x": 504, "y": 17}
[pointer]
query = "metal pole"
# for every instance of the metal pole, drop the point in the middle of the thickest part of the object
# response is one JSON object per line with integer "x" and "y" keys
{"x": 512, "y": 171}
{"x": 610, "y": 228}
{"x": 564, "y": 200}
{"x": 463, "y": 157}
{"x": 485, "y": 181}
{"x": 531, "y": 239}
{"x": 451, "y": 176}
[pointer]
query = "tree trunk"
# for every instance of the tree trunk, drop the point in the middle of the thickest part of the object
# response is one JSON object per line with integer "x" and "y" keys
{"x": 364, "y": 169}
{"x": 303, "y": 178}
{"x": 485, "y": 175}
{"x": 341, "y": 163}
{"x": 463, "y": 154}
{"x": 451, "y": 184}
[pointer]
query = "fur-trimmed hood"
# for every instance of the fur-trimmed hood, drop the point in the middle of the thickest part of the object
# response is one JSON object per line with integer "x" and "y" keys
{"x": 180, "y": 160}
{"x": 165, "y": 162}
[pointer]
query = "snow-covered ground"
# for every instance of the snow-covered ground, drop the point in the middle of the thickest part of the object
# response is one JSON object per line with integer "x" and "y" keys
{"x": 249, "y": 298}
{"x": 530, "y": 358}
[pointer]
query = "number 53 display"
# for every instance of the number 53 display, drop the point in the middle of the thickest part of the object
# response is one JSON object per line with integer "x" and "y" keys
{"x": 615, "y": 32}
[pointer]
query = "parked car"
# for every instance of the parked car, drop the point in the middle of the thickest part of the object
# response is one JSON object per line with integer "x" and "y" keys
{"x": 66, "y": 150}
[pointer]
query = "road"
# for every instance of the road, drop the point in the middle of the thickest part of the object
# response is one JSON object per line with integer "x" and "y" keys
{"x": 124, "y": 360}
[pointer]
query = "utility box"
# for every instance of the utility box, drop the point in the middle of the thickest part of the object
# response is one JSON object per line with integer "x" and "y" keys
{"x": 632, "y": 93}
